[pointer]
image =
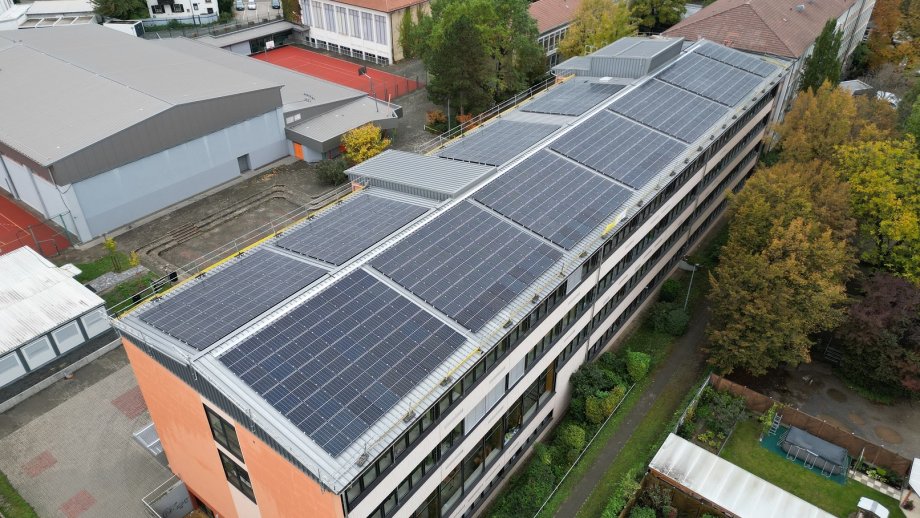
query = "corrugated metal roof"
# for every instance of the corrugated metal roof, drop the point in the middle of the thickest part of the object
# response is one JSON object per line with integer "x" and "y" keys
{"x": 36, "y": 297}
{"x": 447, "y": 177}
{"x": 726, "y": 485}
{"x": 332, "y": 124}
{"x": 65, "y": 90}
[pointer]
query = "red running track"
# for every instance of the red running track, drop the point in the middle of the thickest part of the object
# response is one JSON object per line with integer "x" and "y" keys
{"x": 387, "y": 86}
{"x": 18, "y": 228}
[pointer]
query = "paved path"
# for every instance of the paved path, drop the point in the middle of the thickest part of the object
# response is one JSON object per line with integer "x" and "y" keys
{"x": 77, "y": 457}
{"x": 675, "y": 369}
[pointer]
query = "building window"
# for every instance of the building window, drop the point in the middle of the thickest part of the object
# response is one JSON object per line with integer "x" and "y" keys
{"x": 224, "y": 433}
{"x": 210, "y": 10}
{"x": 67, "y": 337}
{"x": 367, "y": 20}
{"x": 157, "y": 9}
{"x": 355, "y": 23}
{"x": 330, "y": 17}
{"x": 318, "y": 15}
{"x": 341, "y": 20}
{"x": 38, "y": 352}
{"x": 237, "y": 476}
{"x": 195, "y": 7}
{"x": 380, "y": 27}
{"x": 178, "y": 8}
{"x": 10, "y": 368}
{"x": 95, "y": 322}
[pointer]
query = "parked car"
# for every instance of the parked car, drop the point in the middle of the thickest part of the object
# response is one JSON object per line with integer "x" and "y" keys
{"x": 239, "y": 5}
{"x": 276, "y": 4}
{"x": 251, "y": 5}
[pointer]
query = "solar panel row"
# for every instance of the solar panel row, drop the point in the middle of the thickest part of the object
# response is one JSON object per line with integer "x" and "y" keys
{"x": 498, "y": 142}
{"x": 337, "y": 363}
{"x": 722, "y": 83}
{"x": 554, "y": 197}
{"x": 670, "y": 110}
{"x": 619, "y": 148}
{"x": 345, "y": 231}
{"x": 207, "y": 310}
{"x": 735, "y": 58}
{"x": 468, "y": 263}
{"x": 573, "y": 97}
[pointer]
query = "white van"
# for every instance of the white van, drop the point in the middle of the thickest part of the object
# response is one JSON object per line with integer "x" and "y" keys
{"x": 251, "y": 5}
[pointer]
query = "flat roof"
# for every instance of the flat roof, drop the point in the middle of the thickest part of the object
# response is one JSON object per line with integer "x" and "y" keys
{"x": 423, "y": 261}
{"x": 724, "y": 484}
{"x": 446, "y": 178}
{"x": 36, "y": 296}
{"x": 328, "y": 126}
{"x": 250, "y": 33}
{"x": 44, "y": 7}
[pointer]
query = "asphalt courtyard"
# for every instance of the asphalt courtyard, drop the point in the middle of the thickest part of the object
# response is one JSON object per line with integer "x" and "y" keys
{"x": 69, "y": 449}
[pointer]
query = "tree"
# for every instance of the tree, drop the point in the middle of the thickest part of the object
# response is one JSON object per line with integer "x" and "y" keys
{"x": 816, "y": 124}
{"x": 859, "y": 61}
{"x": 408, "y": 31}
{"x": 332, "y": 171}
{"x": 886, "y": 18}
{"x": 656, "y": 15}
{"x": 291, "y": 10}
{"x": 881, "y": 337}
{"x": 823, "y": 64}
{"x": 363, "y": 143}
{"x": 596, "y": 23}
{"x": 885, "y": 195}
{"x": 479, "y": 51}
{"x": 767, "y": 303}
{"x": 121, "y": 9}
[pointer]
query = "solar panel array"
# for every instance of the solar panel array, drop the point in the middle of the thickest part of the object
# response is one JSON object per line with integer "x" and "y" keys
{"x": 338, "y": 362}
{"x": 670, "y": 110}
{"x": 224, "y": 300}
{"x": 736, "y": 59}
{"x": 619, "y": 148}
{"x": 468, "y": 263}
{"x": 572, "y": 98}
{"x": 345, "y": 231}
{"x": 722, "y": 83}
{"x": 499, "y": 142}
{"x": 554, "y": 197}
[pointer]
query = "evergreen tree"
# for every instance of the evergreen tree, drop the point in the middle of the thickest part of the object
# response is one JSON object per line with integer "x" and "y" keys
{"x": 457, "y": 61}
{"x": 121, "y": 9}
{"x": 823, "y": 63}
{"x": 407, "y": 34}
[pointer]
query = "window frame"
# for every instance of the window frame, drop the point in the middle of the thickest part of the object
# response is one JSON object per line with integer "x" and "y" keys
{"x": 237, "y": 476}
{"x": 226, "y": 431}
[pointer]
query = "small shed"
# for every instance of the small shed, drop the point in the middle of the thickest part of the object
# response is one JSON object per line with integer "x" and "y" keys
{"x": 46, "y": 317}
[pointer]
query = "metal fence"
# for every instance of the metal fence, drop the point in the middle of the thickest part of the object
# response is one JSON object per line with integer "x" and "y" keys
{"x": 854, "y": 444}
{"x": 157, "y": 30}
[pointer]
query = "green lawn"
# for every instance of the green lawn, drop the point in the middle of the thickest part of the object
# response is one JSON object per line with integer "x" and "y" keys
{"x": 11, "y": 504}
{"x": 744, "y": 450}
{"x": 93, "y": 269}
{"x": 645, "y": 440}
{"x": 124, "y": 291}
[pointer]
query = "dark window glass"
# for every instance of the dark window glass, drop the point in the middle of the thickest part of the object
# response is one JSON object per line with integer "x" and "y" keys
{"x": 237, "y": 476}
{"x": 224, "y": 433}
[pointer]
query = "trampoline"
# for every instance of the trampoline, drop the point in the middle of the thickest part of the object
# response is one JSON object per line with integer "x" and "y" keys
{"x": 815, "y": 453}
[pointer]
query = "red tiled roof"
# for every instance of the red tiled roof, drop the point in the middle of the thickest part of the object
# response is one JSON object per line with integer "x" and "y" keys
{"x": 774, "y": 27}
{"x": 385, "y": 6}
{"x": 552, "y": 14}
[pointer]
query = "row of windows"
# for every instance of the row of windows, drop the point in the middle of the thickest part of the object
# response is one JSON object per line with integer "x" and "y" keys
{"x": 550, "y": 42}
{"x": 225, "y": 434}
{"x": 484, "y": 454}
{"x": 348, "y": 22}
{"x": 346, "y": 51}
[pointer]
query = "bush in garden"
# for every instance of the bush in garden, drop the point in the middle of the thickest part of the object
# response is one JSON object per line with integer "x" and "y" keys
{"x": 720, "y": 410}
{"x": 642, "y": 512}
{"x": 529, "y": 489}
{"x": 670, "y": 291}
{"x": 637, "y": 365}
{"x": 570, "y": 441}
{"x": 670, "y": 318}
{"x": 625, "y": 489}
{"x": 332, "y": 171}
{"x": 599, "y": 406}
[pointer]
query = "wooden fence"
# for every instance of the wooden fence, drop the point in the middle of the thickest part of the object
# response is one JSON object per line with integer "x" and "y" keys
{"x": 854, "y": 444}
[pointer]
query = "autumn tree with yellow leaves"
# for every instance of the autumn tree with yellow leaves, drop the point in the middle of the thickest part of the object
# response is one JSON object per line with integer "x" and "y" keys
{"x": 363, "y": 143}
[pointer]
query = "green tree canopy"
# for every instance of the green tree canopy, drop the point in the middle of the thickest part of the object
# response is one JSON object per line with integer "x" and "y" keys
{"x": 408, "y": 34}
{"x": 121, "y": 9}
{"x": 596, "y": 23}
{"x": 885, "y": 194}
{"x": 823, "y": 64}
{"x": 479, "y": 51}
{"x": 656, "y": 15}
{"x": 816, "y": 124}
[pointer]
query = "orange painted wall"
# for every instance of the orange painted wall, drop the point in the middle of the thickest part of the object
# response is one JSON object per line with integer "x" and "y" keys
{"x": 282, "y": 490}
{"x": 177, "y": 413}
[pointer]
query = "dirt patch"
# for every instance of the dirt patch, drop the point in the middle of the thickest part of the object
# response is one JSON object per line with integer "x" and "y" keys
{"x": 836, "y": 395}
{"x": 856, "y": 418}
{"x": 888, "y": 435}
{"x": 221, "y": 235}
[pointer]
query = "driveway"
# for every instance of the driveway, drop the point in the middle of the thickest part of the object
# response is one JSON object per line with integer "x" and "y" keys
{"x": 69, "y": 450}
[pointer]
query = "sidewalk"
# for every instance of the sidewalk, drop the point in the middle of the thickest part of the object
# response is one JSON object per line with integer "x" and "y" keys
{"x": 680, "y": 367}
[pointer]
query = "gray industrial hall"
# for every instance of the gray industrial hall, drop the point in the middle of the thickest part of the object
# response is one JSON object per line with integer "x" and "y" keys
{"x": 99, "y": 129}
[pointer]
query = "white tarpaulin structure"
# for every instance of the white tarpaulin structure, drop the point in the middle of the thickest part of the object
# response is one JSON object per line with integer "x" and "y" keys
{"x": 724, "y": 485}
{"x": 867, "y": 504}
{"x": 914, "y": 480}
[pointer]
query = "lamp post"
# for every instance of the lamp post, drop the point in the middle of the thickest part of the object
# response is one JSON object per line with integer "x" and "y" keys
{"x": 688, "y": 266}
{"x": 363, "y": 72}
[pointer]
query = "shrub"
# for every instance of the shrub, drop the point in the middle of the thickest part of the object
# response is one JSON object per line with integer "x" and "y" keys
{"x": 642, "y": 512}
{"x": 637, "y": 365}
{"x": 464, "y": 117}
{"x": 435, "y": 117}
{"x": 670, "y": 318}
{"x": 720, "y": 410}
{"x": 625, "y": 489}
{"x": 332, "y": 171}
{"x": 599, "y": 406}
{"x": 656, "y": 496}
{"x": 529, "y": 489}
{"x": 570, "y": 441}
{"x": 615, "y": 363}
{"x": 670, "y": 290}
